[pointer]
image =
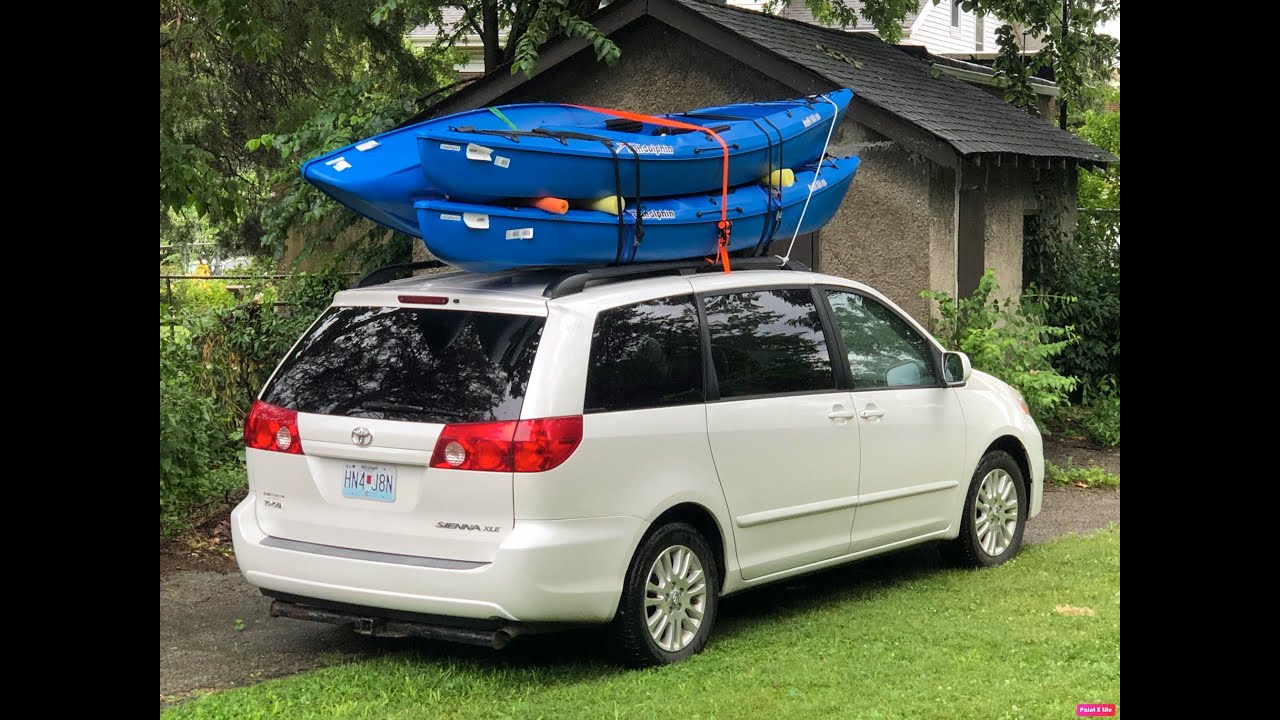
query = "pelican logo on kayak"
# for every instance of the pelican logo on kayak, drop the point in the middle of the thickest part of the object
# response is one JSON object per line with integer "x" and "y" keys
{"x": 811, "y": 119}
{"x": 655, "y": 214}
{"x": 654, "y": 149}
{"x": 817, "y": 185}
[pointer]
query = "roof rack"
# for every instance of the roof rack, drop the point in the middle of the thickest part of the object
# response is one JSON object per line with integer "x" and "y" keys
{"x": 575, "y": 281}
{"x": 572, "y": 280}
{"x": 387, "y": 273}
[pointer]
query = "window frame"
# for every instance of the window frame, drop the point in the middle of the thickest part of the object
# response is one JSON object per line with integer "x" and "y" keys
{"x": 702, "y": 348}
{"x": 979, "y": 32}
{"x": 935, "y": 353}
{"x": 839, "y": 371}
{"x": 955, "y": 14}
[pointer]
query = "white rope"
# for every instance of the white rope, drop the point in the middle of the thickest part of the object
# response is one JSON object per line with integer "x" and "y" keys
{"x": 821, "y": 159}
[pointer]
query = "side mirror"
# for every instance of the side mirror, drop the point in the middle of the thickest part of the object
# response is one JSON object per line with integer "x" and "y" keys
{"x": 956, "y": 368}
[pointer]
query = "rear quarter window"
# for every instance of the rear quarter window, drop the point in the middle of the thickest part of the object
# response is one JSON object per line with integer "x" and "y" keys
{"x": 414, "y": 364}
{"x": 645, "y": 355}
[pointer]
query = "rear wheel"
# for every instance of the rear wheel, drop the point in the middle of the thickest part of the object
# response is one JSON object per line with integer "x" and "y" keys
{"x": 669, "y": 598}
{"x": 995, "y": 514}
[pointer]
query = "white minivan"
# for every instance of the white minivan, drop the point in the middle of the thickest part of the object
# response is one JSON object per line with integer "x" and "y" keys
{"x": 469, "y": 457}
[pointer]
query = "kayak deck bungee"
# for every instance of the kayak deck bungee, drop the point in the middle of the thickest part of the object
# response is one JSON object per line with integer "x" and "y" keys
{"x": 483, "y": 238}
{"x": 573, "y": 152}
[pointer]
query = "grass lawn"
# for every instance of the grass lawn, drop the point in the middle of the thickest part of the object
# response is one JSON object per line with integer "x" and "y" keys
{"x": 895, "y": 637}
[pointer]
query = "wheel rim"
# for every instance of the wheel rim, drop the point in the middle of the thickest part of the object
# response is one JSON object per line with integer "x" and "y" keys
{"x": 995, "y": 512}
{"x": 675, "y": 598}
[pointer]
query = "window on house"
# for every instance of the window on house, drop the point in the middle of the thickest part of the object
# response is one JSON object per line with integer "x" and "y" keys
{"x": 979, "y": 29}
{"x": 955, "y": 13}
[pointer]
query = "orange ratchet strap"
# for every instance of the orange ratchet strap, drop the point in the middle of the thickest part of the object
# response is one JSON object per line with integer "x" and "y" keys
{"x": 725, "y": 226}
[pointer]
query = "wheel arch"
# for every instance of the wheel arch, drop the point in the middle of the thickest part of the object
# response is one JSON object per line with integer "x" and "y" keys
{"x": 704, "y": 521}
{"x": 1018, "y": 451}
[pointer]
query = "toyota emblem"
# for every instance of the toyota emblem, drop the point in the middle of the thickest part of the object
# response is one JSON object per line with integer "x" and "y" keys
{"x": 361, "y": 436}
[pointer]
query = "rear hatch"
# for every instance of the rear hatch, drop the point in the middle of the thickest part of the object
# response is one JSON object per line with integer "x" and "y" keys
{"x": 373, "y": 388}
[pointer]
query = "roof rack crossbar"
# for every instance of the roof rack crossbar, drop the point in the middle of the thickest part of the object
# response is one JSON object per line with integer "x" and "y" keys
{"x": 387, "y": 273}
{"x": 575, "y": 282}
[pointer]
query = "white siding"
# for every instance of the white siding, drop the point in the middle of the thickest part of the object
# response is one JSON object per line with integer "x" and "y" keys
{"x": 933, "y": 30}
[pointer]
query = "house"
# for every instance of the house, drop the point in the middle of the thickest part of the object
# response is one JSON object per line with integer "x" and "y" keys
{"x": 945, "y": 29}
{"x": 470, "y": 47}
{"x": 467, "y": 42}
{"x": 950, "y": 174}
{"x": 962, "y": 43}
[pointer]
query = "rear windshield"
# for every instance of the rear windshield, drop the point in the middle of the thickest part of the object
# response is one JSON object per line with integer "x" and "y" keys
{"x": 410, "y": 364}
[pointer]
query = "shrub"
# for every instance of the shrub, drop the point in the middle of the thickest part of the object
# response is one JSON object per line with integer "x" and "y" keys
{"x": 1079, "y": 476}
{"x": 1008, "y": 339}
{"x": 1102, "y": 422}
{"x": 193, "y": 437}
{"x": 210, "y": 371}
{"x": 1086, "y": 269}
{"x": 238, "y": 347}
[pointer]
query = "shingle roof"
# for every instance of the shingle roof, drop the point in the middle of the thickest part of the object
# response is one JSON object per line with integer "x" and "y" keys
{"x": 969, "y": 119}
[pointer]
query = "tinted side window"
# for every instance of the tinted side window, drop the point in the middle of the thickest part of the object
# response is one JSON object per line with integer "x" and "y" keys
{"x": 645, "y": 355}
{"x": 411, "y": 364}
{"x": 768, "y": 341}
{"x": 884, "y": 351}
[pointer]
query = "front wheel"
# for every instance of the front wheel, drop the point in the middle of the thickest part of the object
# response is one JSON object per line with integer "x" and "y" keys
{"x": 995, "y": 514}
{"x": 669, "y": 598}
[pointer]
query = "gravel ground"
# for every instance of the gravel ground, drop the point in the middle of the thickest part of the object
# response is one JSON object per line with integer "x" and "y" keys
{"x": 215, "y": 631}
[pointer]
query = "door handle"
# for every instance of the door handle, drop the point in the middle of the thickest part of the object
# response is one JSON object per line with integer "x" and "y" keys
{"x": 871, "y": 414}
{"x": 841, "y": 414}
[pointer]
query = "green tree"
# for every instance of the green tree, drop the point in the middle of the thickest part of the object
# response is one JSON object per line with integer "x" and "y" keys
{"x": 528, "y": 25}
{"x": 251, "y": 88}
{"x": 1078, "y": 54}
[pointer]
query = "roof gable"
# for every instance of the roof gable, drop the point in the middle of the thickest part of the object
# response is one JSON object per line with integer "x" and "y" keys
{"x": 968, "y": 119}
{"x": 895, "y": 93}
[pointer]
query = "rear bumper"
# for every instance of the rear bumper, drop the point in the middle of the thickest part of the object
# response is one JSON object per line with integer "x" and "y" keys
{"x": 544, "y": 571}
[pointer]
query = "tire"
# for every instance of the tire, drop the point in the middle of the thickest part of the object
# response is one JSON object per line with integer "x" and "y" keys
{"x": 979, "y": 544}
{"x": 635, "y": 645}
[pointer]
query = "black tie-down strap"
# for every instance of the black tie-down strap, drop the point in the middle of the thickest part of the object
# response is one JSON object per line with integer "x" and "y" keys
{"x": 564, "y": 136}
{"x": 773, "y": 207}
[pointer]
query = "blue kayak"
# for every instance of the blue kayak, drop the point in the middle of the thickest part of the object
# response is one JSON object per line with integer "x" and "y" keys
{"x": 484, "y": 238}
{"x": 566, "y": 151}
{"x": 378, "y": 178}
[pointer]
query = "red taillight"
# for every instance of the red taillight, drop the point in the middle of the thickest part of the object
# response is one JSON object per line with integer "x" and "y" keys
{"x": 269, "y": 427}
{"x": 475, "y": 446}
{"x": 511, "y": 446}
{"x": 545, "y": 443}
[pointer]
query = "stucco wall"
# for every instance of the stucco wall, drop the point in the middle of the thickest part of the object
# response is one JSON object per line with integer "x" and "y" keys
{"x": 1012, "y": 191}
{"x": 661, "y": 70}
{"x": 1008, "y": 198}
{"x": 883, "y": 232}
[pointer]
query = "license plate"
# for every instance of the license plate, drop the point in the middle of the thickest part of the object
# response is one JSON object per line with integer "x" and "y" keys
{"x": 369, "y": 482}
